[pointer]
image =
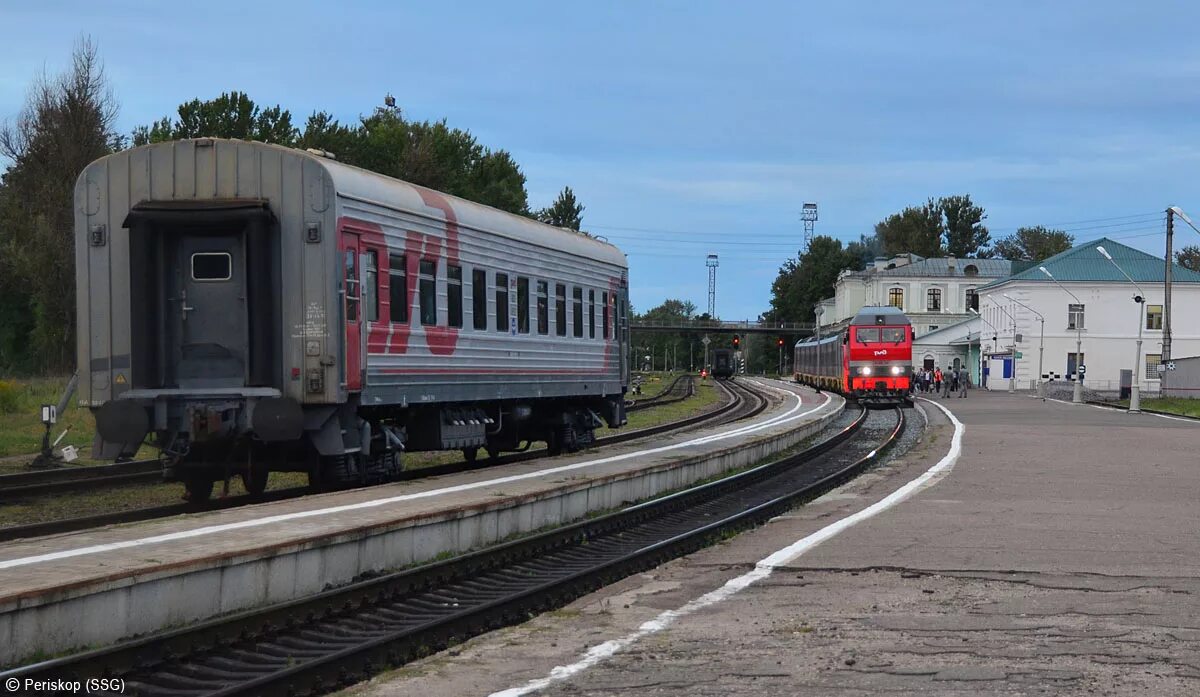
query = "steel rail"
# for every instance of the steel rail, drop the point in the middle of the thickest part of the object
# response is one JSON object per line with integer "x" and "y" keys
{"x": 330, "y": 640}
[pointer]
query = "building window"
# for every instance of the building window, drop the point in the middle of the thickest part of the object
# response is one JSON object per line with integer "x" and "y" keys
{"x": 351, "y": 287}
{"x": 398, "y": 291}
{"x": 896, "y": 297}
{"x": 543, "y": 309}
{"x": 591, "y": 314}
{"x": 972, "y": 300}
{"x": 560, "y": 309}
{"x": 428, "y": 291}
{"x": 1153, "y": 317}
{"x": 501, "y": 302}
{"x": 932, "y": 328}
{"x": 933, "y": 300}
{"x": 577, "y": 306}
{"x": 604, "y": 302}
{"x": 1075, "y": 316}
{"x": 522, "y": 304}
{"x": 454, "y": 295}
{"x": 971, "y": 270}
{"x": 1071, "y": 364}
{"x": 1152, "y": 362}
{"x": 479, "y": 299}
{"x": 371, "y": 277}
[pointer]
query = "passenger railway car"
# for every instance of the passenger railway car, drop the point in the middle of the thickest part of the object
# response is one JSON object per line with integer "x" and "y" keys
{"x": 248, "y": 307}
{"x": 724, "y": 363}
{"x": 870, "y": 360}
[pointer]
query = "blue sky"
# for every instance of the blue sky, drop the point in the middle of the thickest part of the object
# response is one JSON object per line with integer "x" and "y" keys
{"x": 695, "y": 127}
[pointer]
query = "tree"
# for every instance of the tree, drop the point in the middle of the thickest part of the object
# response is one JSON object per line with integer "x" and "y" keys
{"x": 564, "y": 212}
{"x": 808, "y": 279}
{"x": 660, "y": 344}
{"x": 912, "y": 230}
{"x": 965, "y": 234}
{"x": 1033, "y": 244}
{"x": 866, "y": 249}
{"x": 66, "y": 123}
{"x": 231, "y": 115}
{"x": 1189, "y": 257}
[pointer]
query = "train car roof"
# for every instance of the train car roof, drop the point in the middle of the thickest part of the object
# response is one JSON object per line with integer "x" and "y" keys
{"x": 362, "y": 184}
{"x": 350, "y": 182}
{"x": 881, "y": 314}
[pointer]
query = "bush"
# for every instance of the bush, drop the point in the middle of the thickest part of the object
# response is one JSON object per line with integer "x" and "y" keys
{"x": 10, "y": 397}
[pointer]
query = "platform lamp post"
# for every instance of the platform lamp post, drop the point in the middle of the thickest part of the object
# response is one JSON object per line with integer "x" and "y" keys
{"x": 1135, "y": 401}
{"x": 1077, "y": 394}
{"x": 1041, "y": 385}
{"x": 997, "y": 331}
{"x": 1012, "y": 382}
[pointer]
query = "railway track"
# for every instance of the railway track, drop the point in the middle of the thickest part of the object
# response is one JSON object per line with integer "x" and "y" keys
{"x": 24, "y": 485}
{"x": 322, "y": 643}
{"x": 680, "y": 389}
{"x": 744, "y": 403}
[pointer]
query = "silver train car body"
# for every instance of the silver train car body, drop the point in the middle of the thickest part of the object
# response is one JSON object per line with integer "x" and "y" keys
{"x": 247, "y": 303}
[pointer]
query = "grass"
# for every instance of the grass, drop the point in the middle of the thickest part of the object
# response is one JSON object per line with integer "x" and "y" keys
{"x": 21, "y": 426}
{"x": 1172, "y": 405}
{"x": 706, "y": 397}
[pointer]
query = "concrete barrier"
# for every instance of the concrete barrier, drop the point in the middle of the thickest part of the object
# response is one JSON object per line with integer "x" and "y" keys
{"x": 94, "y": 613}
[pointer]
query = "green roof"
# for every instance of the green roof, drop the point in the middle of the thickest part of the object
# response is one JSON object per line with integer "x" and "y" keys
{"x": 1084, "y": 262}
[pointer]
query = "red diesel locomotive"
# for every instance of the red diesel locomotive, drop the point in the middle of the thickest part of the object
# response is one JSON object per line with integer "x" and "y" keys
{"x": 871, "y": 360}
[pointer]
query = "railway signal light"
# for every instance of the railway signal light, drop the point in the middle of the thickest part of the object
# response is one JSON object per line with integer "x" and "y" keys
{"x": 737, "y": 341}
{"x": 779, "y": 342}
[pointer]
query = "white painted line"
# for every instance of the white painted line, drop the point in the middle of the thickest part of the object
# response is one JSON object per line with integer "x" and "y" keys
{"x": 761, "y": 570}
{"x": 1126, "y": 411}
{"x": 791, "y": 414}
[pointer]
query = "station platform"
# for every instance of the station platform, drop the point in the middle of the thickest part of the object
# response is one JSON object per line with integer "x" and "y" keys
{"x": 95, "y": 587}
{"x": 1057, "y": 553}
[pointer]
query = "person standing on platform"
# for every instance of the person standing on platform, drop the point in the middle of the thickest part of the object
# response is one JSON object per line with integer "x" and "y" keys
{"x": 937, "y": 380}
{"x": 963, "y": 379}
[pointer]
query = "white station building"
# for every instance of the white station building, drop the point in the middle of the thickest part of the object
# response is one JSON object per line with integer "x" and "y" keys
{"x": 1085, "y": 298}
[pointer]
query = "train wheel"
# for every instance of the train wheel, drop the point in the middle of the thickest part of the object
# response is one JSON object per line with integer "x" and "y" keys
{"x": 471, "y": 455}
{"x": 198, "y": 488}
{"x": 254, "y": 478}
{"x": 554, "y": 442}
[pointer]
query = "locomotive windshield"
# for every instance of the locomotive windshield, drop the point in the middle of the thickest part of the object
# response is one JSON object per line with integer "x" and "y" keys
{"x": 880, "y": 335}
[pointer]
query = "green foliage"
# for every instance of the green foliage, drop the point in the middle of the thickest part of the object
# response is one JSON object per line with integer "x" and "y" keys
{"x": 912, "y": 230}
{"x": 964, "y": 231}
{"x": 1033, "y": 244}
{"x": 808, "y": 279}
{"x": 564, "y": 212}
{"x": 66, "y": 123}
{"x": 10, "y": 400}
{"x": 231, "y": 115}
{"x": 670, "y": 349}
{"x": 1189, "y": 257}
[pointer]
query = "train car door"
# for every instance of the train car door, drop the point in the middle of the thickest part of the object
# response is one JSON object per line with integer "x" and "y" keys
{"x": 211, "y": 295}
{"x": 349, "y": 247}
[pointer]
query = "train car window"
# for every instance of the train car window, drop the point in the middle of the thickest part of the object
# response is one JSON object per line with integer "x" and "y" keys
{"x": 867, "y": 335}
{"x": 577, "y": 299}
{"x": 428, "y": 292}
{"x": 523, "y": 304}
{"x": 398, "y": 287}
{"x": 604, "y": 302}
{"x": 454, "y": 312}
{"x": 501, "y": 302}
{"x": 892, "y": 335}
{"x": 351, "y": 286}
{"x": 591, "y": 314}
{"x": 543, "y": 307}
{"x": 212, "y": 266}
{"x": 479, "y": 298}
{"x": 371, "y": 277}
{"x": 560, "y": 309}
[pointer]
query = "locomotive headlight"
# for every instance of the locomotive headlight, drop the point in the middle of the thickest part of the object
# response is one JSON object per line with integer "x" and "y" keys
{"x": 896, "y": 370}
{"x": 866, "y": 370}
